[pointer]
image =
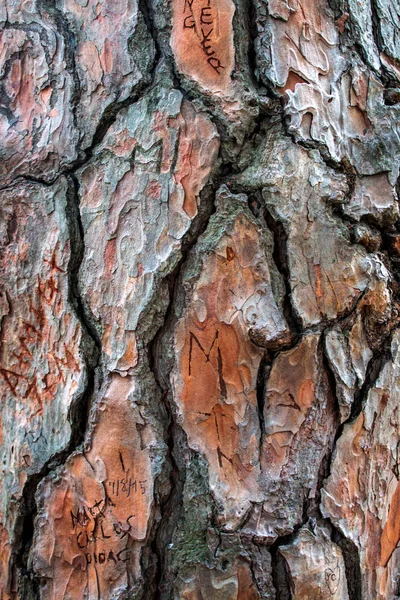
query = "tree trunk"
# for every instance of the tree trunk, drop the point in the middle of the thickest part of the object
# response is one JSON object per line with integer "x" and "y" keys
{"x": 200, "y": 343}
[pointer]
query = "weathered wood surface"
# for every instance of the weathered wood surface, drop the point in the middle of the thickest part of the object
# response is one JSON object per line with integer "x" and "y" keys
{"x": 199, "y": 312}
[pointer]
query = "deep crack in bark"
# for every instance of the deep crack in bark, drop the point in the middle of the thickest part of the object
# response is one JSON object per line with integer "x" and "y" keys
{"x": 25, "y": 579}
{"x": 169, "y": 508}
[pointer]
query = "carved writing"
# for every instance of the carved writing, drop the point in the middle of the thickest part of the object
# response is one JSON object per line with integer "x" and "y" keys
{"x": 204, "y": 25}
{"x": 126, "y": 485}
{"x": 39, "y": 336}
{"x": 97, "y": 529}
{"x": 332, "y": 578}
{"x": 219, "y": 417}
{"x": 102, "y": 527}
{"x": 202, "y": 40}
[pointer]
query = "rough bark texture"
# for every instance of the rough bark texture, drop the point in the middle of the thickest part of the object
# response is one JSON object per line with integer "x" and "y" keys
{"x": 200, "y": 343}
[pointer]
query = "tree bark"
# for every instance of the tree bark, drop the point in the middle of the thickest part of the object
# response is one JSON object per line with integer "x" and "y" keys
{"x": 200, "y": 343}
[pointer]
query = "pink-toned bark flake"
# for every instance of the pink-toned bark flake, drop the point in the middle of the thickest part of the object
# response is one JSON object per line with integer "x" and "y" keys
{"x": 202, "y": 41}
{"x": 289, "y": 395}
{"x": 93, "y": 517}
{"x": 153, "y": 189}
{"x": 42, "y": 371}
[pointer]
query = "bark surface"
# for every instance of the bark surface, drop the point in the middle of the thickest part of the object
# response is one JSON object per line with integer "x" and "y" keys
{"x": 200, "y": 303}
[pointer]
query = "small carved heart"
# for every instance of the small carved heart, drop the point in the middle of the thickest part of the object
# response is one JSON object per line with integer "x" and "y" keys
{"x": 332, "y": 578}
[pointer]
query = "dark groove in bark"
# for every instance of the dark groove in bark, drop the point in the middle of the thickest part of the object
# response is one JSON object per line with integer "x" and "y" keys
{"x": 108, "y": 119}
{"x": 169, "y": 505}
{"x": 28, "y": 178}
{"x": 280, "y": 576}
{"x": 380, "y": 357}
{"x": 388, "y": 80}
{"x": 29, "y": 583}
{"x": 147, "y": 11}
{"x": 260, "y": 84}
{"x": 280, "y": 256}
{"x": 169, "y": 509}
{"x": 261, "y": 387}
{"x": 332, "y": 405}
{"x": 252, "y": 31}
{"x": 280, "y": 573}
{"x": 374, "y": 368}
{"x": 376, "y": 30}
{"x": 351, "y": 558}
{"x": 76, "y": 229}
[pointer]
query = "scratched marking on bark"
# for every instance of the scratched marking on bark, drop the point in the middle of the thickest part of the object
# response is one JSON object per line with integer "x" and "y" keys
{"x": 202, "y": 41}
{"x": 217, "y": 412}
{"x": 332, "y": 577}
{"x": 105, "y": 495}
{"x": 96, "y": 528}
{"x": 204, "y": 29}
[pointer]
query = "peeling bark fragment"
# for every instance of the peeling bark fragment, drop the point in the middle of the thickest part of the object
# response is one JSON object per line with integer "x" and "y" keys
{"x": 330, "y": 96}
{"x": 37, "y": 127}
{"x": 388, "y": 14}
{"x": 202, "y": 41}
{"x": 93, "y": 514}
{"x": 307, "y": 65}
{"x": 139, "y": 196}
{"x": 361, "y": 494}
{"x": 228, "y": 296}
{"x": 300, "y": 425}
{"x": 51, "y": 57}
{"x": 209, "y": 42}
{"x": 375, "y": 198}
{"x": 113, "y": 53}
{"x": 349, "y": 354}
{"x": 315, "y": 566}
{"x": 350, "y": 344}
{"x": 327, "y": 273}
{"x": 361, "y": 24}
{"x": 42, "y": 370}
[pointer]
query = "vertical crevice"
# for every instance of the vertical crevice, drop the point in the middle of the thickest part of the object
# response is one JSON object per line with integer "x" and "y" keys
{"x": 169, "y": 506}
{"x": 262, "y": 375}
{"x": 174, "y": 436}
{"x": 374, "y": 368}
{"x": 24, "y": 579}
{"x": 351, "y": 558}
{"x": 253, "y": 34}
{"x": 281, "y": 576}
{"x": 77, "y": 237}
{"x": 376, "y": 29}
{"x": 147, "y": 11}
{"x": 78, "y": 413}
{"x": 280, "y": 256}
